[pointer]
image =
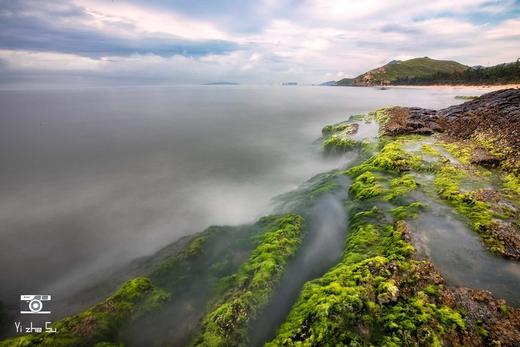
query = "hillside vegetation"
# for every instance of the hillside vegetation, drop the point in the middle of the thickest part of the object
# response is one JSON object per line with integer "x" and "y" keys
{"x": 427, "y": 71}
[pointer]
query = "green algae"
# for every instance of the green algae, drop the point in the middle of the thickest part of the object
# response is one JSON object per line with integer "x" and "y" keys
{"x": 381, "y": 115}
{"x": 511, "y": 187}
{"x": 392, "y": 157}
{"x": 479, "y": 213}
{"x": 344, "y": 136}
{"x": 218, "y": 250}
{"x": 197, "y": 282}
{"x": 407, "y": 211}
{"x": 400, "y": 186}
{"x": 429, "y": 149}
{"x": 366, "y": 186}
{"x": 251, "y": 286}
{"x": 336, "y": 137}
{"x": 494, "y": 145}
{"x": 335, "y": 128}
{"x": 360, "y": 117}
{"x": 461, "y": 151}
{"x": 360, "y": 301}
{"x": 338, "y": 143}
{"x": 303, "y": 197}
{"x": 351, "y": 304}
{"x": 461, "y": 185}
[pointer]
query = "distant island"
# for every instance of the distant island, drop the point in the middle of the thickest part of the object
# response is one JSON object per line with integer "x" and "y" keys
{"x": 221, "y": 84}
{"x": 427, "y": 71}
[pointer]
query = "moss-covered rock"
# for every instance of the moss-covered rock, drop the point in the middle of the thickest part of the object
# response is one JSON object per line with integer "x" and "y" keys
{"x": 371, "y": 297}
{"x": 251, "y": 286}
{"x": 337, "y": 143}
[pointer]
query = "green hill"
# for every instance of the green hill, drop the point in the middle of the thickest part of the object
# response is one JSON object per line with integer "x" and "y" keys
{"x": 426, "y": 71}
{"x": 506, "y": 73}
{"x": 398, "y": 70}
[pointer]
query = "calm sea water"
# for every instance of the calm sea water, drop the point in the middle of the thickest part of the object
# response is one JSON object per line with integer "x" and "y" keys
{"x": 91, "y": 179}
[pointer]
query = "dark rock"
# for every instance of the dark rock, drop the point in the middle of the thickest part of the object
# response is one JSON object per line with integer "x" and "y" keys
{"x": 423, "y": 131}
{"x": 482, "y": 310}
{"x": 482, "y": 157}
{"x": 493, "y": 117}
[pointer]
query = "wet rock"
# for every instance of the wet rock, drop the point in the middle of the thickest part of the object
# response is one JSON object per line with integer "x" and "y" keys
{"x": 386, "y": 298}
{"x": 482, "y": 157}
{"x": 424, "y": 131}
{"x": 498, "y": 324}
{"x": 490, "y": 110}
{"x": 509, "y": 236}
{"x": 403, "y": 120}
{"x": 504, "y": 231}
{"x": 492, "y": 119}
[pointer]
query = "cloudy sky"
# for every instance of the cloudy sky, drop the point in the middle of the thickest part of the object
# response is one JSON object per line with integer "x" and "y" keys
{"x": 260, "y": 41}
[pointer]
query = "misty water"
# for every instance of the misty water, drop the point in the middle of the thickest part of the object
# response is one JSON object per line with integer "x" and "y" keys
{"x": 322, "y": 249}
{"x": 458, "y": 253}
{"x": 94, "y": 178}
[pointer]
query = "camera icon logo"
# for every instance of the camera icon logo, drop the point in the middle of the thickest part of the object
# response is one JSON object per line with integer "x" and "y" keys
{"x": 35, "y": 303}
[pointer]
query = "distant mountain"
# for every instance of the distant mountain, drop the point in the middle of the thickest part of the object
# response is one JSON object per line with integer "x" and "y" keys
{"x": 507, "y": 73}
{"x": 328, "y": 83}
{"x": 221, "y": 84}
{"x": 426, "y": 71}
{"x": 397, "y": 70}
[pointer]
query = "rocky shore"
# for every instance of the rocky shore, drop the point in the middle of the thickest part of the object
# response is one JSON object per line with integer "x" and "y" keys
{"x": 483, "y": 132}
{"x": 384, "y": 290}
{"x": 491, "y": 121}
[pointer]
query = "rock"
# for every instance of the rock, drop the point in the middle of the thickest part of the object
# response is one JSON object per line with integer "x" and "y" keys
{"x": 410, "y": 121}
{"x": 482, "y": 310}
{"x": 493, "y": 119}
{"x": 482, "y": 157}
{"x": 423, "y": 131}
{"x": 386, "y": 298}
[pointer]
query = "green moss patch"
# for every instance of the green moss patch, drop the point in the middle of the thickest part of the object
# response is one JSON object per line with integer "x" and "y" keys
{"x": 511, "y": 187}
{"x": 335, "y": 128}
{"x": 375, "y": 295}
{"x": 371, "y": 298}
{"x": 338, "y": 143}
{"x": 479, "y": 213}
{"x": 392, "y": 157}
{"x": 252, "y": 285}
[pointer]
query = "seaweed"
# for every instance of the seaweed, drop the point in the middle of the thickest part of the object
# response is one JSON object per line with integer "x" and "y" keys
{"x": 251, "y": 286}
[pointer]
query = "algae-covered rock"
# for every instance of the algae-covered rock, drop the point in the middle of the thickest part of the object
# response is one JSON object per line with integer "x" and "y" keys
{"x": 251, "y": 287}
{"x": 491, "y": 121}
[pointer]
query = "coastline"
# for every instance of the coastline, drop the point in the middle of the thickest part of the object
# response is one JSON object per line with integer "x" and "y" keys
{"x": 488, "y": 87}
{"x": 395, "y": 270}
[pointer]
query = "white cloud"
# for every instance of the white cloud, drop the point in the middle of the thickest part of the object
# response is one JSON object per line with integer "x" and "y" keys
{"x": 149, "y": 20}
{"x": 317, "y": 40}
{"x": 27, "y": 60}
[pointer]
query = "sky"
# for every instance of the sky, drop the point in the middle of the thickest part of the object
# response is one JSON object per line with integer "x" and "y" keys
{"x": 133, "y": 42}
